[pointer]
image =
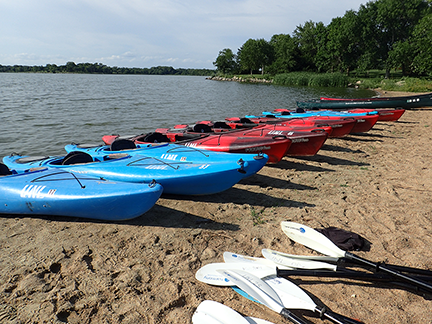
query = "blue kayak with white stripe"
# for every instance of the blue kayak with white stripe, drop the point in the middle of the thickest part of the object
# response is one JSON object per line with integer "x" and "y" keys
{"x": 177, "y": 176}
{"x": 250, "y": 164}
{"x": 57, "y": 192}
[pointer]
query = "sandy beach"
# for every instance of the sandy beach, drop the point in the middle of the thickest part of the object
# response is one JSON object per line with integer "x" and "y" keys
{"x": 377, "y": 184}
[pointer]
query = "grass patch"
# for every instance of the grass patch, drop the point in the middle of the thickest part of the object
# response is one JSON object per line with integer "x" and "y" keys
{"x": 257, "y": 216}
{"x": 311, "y": 79}
{"x": 404, "y": 84}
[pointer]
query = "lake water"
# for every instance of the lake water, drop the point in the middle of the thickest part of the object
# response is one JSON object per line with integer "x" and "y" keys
{"x": 41, "y": 113}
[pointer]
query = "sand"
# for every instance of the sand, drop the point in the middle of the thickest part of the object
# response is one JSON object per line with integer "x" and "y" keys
{"x": 377, "y": 184}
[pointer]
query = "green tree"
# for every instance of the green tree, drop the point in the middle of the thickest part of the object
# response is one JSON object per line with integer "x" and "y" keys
{"x": 422, "y": 42}
{"x": 226, "y": 61}
{"x": 396, "y": 21}
{"x": 341, "y": 49}
{"x": 255, "y": 54}
{"x": 285, "y": 54}
{"x": 414, "y": 55}
{"x": 309, "y": 38}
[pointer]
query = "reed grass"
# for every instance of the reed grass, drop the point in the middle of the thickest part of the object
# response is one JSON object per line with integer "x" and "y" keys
{"x": 311, "y": 79}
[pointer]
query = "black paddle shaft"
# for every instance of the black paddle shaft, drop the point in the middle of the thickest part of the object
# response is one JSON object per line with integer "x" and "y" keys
{"x": 344, "y": 274}
{"x": 334, "y": 317}
{"x": 292, "y": 317}
{"x": 343, "y": 262}
{"x": 379, "y": 267}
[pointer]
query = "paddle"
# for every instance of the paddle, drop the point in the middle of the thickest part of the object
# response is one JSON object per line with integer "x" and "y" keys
{"x": 261, "y": 291}
{"x": 265, "y": 267}
{"x": 291, "y": 295}
{"x": 313, "y": 239}
{"x": 283, "y": 259}
{"x": 210, "y": 311}
{"x": 343, "y": 262}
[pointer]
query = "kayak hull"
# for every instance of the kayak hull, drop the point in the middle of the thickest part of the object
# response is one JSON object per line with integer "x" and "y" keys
{"x": 176, "y": 177}
{"x": 60, "y": 193}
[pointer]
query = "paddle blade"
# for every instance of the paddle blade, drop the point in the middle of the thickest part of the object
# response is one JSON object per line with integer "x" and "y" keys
{"x": 311, "y": 238}
{"x": 238, "y": 258}
{"x": 212, "y": 310}
{"x": 201, "y": 318}
{"x": 209, "y": 273}
{"x": 254, "y": 287}
{"x": 287, "y": 260}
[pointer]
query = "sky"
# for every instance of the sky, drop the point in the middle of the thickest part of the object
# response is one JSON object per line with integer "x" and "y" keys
{"x": 144, "y": 33}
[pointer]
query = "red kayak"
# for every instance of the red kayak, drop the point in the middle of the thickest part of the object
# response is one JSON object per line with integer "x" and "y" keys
{"x": 340, "y": 127}
{"x": 364, "y": 123}
{"x": 304, "y": 143}
{"x": 384, "y": 114}
{"x": 221, "y": 126}
{"x": 274, "y": 146}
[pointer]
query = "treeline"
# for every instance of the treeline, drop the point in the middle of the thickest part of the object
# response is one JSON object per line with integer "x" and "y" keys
{"x": 382, "y": 34}
{"x": 99, "y": 68}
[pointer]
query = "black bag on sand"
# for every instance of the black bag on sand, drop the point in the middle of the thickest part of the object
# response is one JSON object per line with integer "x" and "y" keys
{"x": 345, "y": 240}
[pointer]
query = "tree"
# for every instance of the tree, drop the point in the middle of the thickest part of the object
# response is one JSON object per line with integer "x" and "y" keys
{"x": 285, "y": 54}
{"x": 255, "y": 54}
{"x": 396, "y": 21}
{"x": 422, "y": 41}
{"x": 308, "y": 39}
{"x": 414, "y": 54}
{"x": 226, "y": 61}
{"x": 341, "y": 49}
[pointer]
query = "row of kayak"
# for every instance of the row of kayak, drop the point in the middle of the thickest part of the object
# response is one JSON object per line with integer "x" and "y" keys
{"x": 124, "y": 177}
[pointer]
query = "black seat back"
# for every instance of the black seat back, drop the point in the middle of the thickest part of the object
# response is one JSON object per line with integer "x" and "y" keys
{"x": 122, "y": 144}
{"x": 76, "y": 157}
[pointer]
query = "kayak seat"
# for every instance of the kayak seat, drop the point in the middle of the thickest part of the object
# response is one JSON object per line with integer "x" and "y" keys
{"x": 155, "y": 137}
{"x": 245, "y": 120}
{"x": 4, "y": 170}
{"x": 122, "y": 144}
{"x": 76, "y": 157}
{"x": 221, "y": 125}
{"x": 201, "y": 128}
{"x": 300, "y": 110}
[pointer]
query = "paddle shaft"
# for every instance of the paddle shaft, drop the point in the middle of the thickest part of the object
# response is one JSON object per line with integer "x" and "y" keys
{"x": 292, "y": 317}
{"x": 344, "y": 274}
{"x": 377, "y": 266}
{"x": 335, "y": 318}
{"x": 342, "y": 262}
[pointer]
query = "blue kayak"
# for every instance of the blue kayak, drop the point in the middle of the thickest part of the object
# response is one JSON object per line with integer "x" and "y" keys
{"x": 176, "y": 176}
{"x": 170, "y": 153}
{"x": 313, "y": 113}
{"x": 60, "y": 193}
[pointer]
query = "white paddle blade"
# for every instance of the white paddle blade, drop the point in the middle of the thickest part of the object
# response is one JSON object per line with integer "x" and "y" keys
{"x": 230, "y": 257}
{"x": 254, "y": 320}
{"x": 202, "y": 318}
{"x": 209, "y": 274}
{"x": 288, "y": 294}
{"x": 254, "y": 287}
{"x": 287, "y": 260}
{"x": 222, "y": 313}
{"x": 291, "y": 295}
{"x": 311, "y": 238}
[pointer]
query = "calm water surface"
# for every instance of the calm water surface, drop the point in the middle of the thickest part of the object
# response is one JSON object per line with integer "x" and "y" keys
{"x": 41, "y": 113}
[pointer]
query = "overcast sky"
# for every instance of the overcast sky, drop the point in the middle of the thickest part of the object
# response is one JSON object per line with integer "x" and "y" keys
{"x": 143, "y": 33}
